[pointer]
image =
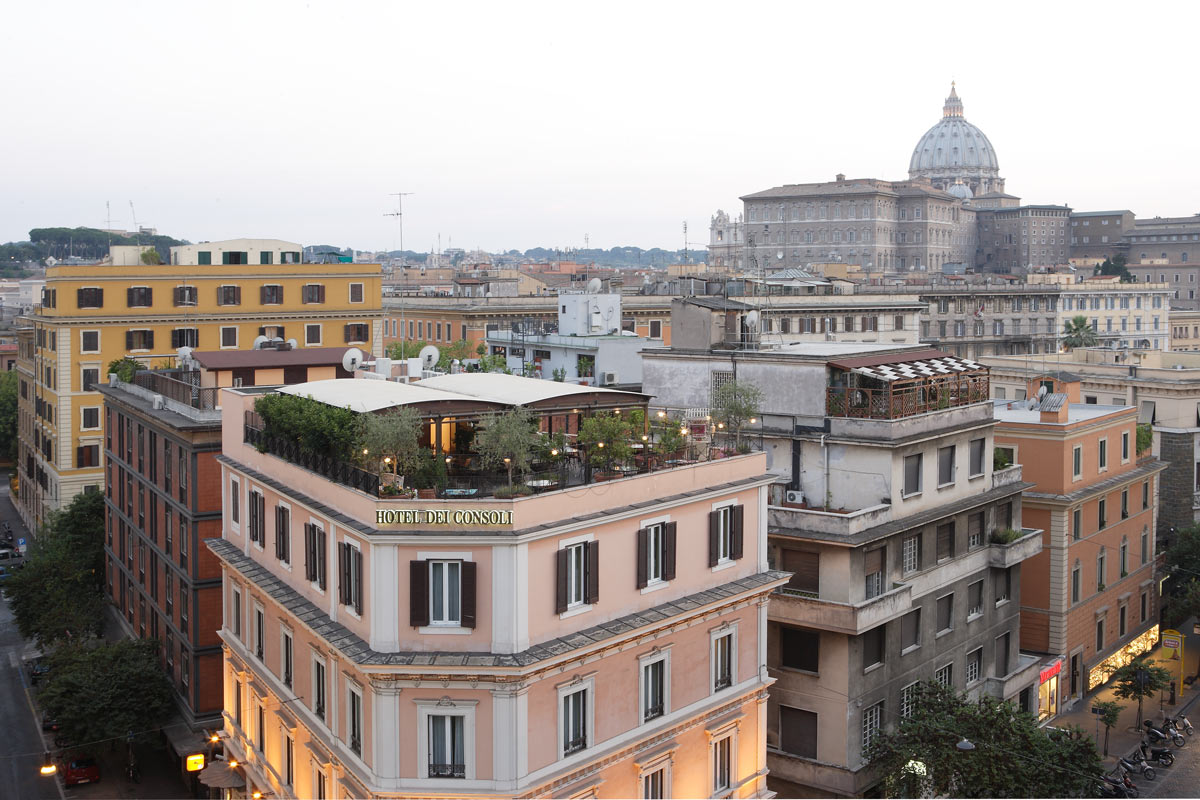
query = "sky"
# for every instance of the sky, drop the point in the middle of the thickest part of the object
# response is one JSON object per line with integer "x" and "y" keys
{"x": 516, "y": 125}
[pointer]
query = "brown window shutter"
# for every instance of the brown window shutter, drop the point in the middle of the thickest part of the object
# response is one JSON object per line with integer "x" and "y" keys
{"x": 560, "y": 577}
{"x": 347, "y": 332}
{"x": 322, "y": 577}
{"x": 668, "y": 566}
{"x": 343, "y": 584}
{"x": 643, "y": 557}
{"x": 150, "y": 339}
{"x": 468, "y": 594}
{"x": 736, "y": 518}
{"x": 418, "y": 593}
{"x": 713, "y": 547}
{"x": 592, "y": 568}
{"x": 358, "y": 579}
{"x": 308, "y": 552}
{"x": 873, "y": 561}
{"x": 262, "y": 299}
{"x": 129, "y": 297}
{"x": 321, "y": 293}
{"x": 805, "y": 568}
{"x": 128, "y": 340}
{"x": 237, "y": 295}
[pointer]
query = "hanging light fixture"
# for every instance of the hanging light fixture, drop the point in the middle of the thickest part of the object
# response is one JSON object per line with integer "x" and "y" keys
{"x": 48, "y": 765}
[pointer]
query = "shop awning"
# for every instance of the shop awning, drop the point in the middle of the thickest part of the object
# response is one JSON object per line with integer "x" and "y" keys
{"x": 220, "y": 775}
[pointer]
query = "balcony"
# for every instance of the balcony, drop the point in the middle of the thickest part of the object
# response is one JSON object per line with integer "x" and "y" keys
{"x": 1008, "y": 555}
{"x": 832, "y": 523}
{"x": 1006, "y": 476}
{"x": 181, "y": 391}
{"x": 802, "y": 608}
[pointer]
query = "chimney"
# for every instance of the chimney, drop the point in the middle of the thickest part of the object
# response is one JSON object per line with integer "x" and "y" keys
{"x": 841, "y": 178}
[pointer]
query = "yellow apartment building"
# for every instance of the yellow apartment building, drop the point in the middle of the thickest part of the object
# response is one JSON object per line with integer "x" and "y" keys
{"x": 212, "y": 296}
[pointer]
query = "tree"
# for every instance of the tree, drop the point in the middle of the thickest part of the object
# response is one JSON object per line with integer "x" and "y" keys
{"x": 59, "y": 594}
{"x": 736, "y": 403}
{"x": 1012, "y": 756}
{"x": 392, "y": 440}
{"x": 125, "y": 368}
{"x": 1139, "y": 679}
{"x": 1079, "y": 333}
{"x": 406, "y": 348}
{"x": 508, "y": 439}
{"x": 1115, "y": 266}
{"x": 103, "y": 692}
{"x": 606, "y": 439}
{"x": 8, "y": 415}
{"x": 1110, "y": 712}
{"x": 1145, "y": 437}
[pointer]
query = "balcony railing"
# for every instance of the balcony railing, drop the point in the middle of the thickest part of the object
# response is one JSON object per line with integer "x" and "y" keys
{"x": 180, "y": 391}
{"x": 447, "y": 770}
{"x": 895, "y": 403}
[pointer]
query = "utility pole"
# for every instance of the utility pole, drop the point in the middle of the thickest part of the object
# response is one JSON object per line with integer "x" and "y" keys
{"x": 399, "y": 215}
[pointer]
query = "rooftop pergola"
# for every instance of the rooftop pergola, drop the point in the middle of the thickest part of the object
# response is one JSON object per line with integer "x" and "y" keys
{"x": 903, "y": 384}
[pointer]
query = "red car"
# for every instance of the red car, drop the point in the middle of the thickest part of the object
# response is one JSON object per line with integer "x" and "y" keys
{"x": 80, "y": 770}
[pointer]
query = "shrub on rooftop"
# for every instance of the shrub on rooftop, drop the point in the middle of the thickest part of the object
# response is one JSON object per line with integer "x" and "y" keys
{"x": 316, "y": 427}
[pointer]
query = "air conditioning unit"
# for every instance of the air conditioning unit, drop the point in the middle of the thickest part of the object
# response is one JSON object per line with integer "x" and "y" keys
{"x": 156, "y": 402}
{"x": 610, "y": 378}
{"x": 795, "y": 496}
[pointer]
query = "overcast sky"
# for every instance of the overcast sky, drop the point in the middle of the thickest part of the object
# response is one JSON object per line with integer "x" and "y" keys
{"x": 517, "y": 125}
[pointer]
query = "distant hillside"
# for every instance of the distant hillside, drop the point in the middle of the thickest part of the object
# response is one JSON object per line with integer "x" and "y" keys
{"x": 86, "y": 243}
{"x": 613, "y": 257}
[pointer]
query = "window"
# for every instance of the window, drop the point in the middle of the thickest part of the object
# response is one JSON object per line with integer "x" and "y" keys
{"x": 805, "y": 567}
{"x": 908, "y": 699}
{"x": 1103, "y": 454}
{"x": 443, "y": 593}
{"x": 575, "y": 721}
{"x": 974, "y": 530}
{"x": 723, "y": 652}
{"x": 87, "y": 455}
{"x": 139, "y": 296}
{"x": 1122, "y": 614}
{"x": 356, "y": 332}
{"x": 289, "y": 760}
{"x": 91, "y": 418}
{"x": 1124, "y": 504}
{"x": 974, "y": 600}
{"x": 185, "y": 295}
{"x": 655, "y": 329}
{"x": 283, "y": 534}
{"x": 356, "y": 293}
{"x": 235, "y": 500}
{"x": 91, "y": 376}
{"x": 318, "y": 687}
{"x": 257, "y": 526}
{"x": 90, "y": 297}
{"x": 285, "y": 658}
{"x": 873, "y": 561}
{"x": 185, "y": 337}
{"x": 312, "y": 293}
{"x": 1077, "y": 462}
{"x": 312, "y": 333}
{"x": 229, "y": 336}
{"x": 139, "y": 339}
{"x": 871, "y": 719}
{"x": 236, "y": 613}
{"x": 314, "y": 555}
{"x": 722, "y": 758}
{"x": 1145, "y": 495}
{"x": 910, "y": 558}
{"x": 1144, "y": 605}
{"x": 577, "y": 575}
{"x": 725, "y": 534}
{"x": 654, "y": 687}
{"x": 944, "y": 675}
{"x": 1124, "y": 446}
{"x": 799, "y": 648}
{"x": 235, "y": 257}
{"x": 976, "y": 455}
{"x": 874, "y": 644}
{"x": 1101, "y": 569}
{"x": 1145, "y": 544}
{"x": 89, "y": 341}
{"x": 350, "y": 576}
{"x": 270, "y": 294}
{"x": 1102, "y": 512}
{"x": 945, "y": 613}
{"x": 945, "y": 541}
{"x": 912, "y": 474}
{"x": 1077, "y": 524}
{"x": 974, "y": 665}
{"x": 1076, "y": 575}
{"x": 946, "y": 465}
{"x": 260, "y": 631}
{"x": 656, "y": 554}
{"x": 229, "y": 295}
{"x": 910, "y": 630}
{"x": 260, "y": 724}
{"x": 320, "y": 786}
{"x": 1099, "y": 634}
{"x": 447, "y": 748}
{"x": 354, "y": 719}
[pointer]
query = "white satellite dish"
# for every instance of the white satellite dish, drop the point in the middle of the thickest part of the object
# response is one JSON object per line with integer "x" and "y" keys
{"x": 292, "y": 343}
{"x": 594, "y": 286}
{"x": 351, "y": 359}
{"x": 259, "y": 341}
{"x": 752, "y": 320}
{"x": 429, "y": 356}
{"x": 183, "y": 356}
{"x": 1042, "y": 391}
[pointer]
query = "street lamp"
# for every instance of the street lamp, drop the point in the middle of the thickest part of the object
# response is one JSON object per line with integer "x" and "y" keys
{"x": 48, "y": 766}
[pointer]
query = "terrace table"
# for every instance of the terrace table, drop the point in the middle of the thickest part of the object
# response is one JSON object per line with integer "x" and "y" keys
{"x": 542, "y": 484}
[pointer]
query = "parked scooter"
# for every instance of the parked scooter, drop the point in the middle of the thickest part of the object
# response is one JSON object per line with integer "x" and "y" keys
{"x": 1111, "y": 787}
{"x": 1131, "y": 789}
{"x": 1161, "y": 755}
{"x": 1180, "y": 723}
{"x": 1136, "y": 763}
{"x": 1160, "y": 734}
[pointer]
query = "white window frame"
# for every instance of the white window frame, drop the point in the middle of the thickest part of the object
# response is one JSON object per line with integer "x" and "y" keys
{"x": 98, "y": 340}
{"x": 943, "y": 668}
{"x": 663, "y": 657}
{"x": 83, "y": 426}
{"x": 953, "y": 465}
{"x": 654, "y": 583}
{"x": 977, "y": 652}
{"x": 355, "y": 690}
{"x": 357, "y": 581}
{"x": 259, "y": 633}
{"x": 221, "y": 337}
{"x": 730, "y": 630}
{"x": 235, "y": 503}
{"x": 320, "y": 334}
{"x": 724, "y": 534}
{"x": 588, "y": 687}
{"x": 581, "y": 606}
{"x": 319, "y": 779}
{"x": 362, "y": 291}
{"x": 449, "y": 626}
{"x": 982, "y": 461}
{"x": 235, "y": 612}
{"x": 287, "y": 645}
{"x": 659, "y": 764}
{"x": 320, "y": 660}
{"x": 1077, "y": 452}
{"x": 907, "y": 565}
{"x": 446, "y": 708}
{"x": 908, "y": 698}
{"x": 728, "y": 734}
{"x": 1126, "y": 450}
{"x": 920, "y": 474}
{"x": 1102, "y": 454}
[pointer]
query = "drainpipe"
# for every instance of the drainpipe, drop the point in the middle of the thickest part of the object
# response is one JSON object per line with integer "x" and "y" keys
{"x": 825, "y": 451}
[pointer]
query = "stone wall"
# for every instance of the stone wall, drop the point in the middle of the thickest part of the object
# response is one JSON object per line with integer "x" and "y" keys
{"x": 1177, "y": 486}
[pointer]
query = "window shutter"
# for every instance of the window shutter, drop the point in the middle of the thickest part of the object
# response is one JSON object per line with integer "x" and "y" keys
{"x": 343, "y": 584}
{"x": 347, "y": 332}
{"x": 873, "y": 560}
{"x": 592, "y": 568}
{"x": 149, "y": 338}
{"x": 643, "y": 557}
{"x": 806, "y": 570}
{"x": 278, "y": 537}
{"x": 668, "y": 568}
{"x": 358, "y": 579}
{"x": 418, "y": 593}
{"x": 560, "y": 577}
{"x": 237, "y": 295}
{"x": 262, "y": 330}
{"x": 177, "y": 295}
{"x": 321, "y": 293}
{"x": 129, "y": 296}
{"x": 468, "y": 594}
{"x": 128, "y": 340}
{"x": 262, "y": 299}
{"x": 736, "y": 518}
{"x": 713, "y": 545}
{"x": 308, "y": 552}
{"x": 322, "y": 578}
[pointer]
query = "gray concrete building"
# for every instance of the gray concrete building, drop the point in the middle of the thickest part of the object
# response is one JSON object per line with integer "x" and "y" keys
{"x": 1167, "y": 250}
{"x": 1100, "y": 234}
{"x": 883, "y": 509}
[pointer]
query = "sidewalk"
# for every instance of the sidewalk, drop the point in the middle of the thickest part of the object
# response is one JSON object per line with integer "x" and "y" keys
{"x": 1124, "y": 736}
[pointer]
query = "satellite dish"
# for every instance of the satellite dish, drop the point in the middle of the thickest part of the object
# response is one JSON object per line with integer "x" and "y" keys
{"x": 259, "y": 341}
{"x": 752, "y": 320}
{"x": 183, "y": 355}
{"x": 429, "y": 356}
{"x": 594, "y": 286}
{"x": 292, "y": 343}
{"x": 1042, "y": 391}
{"x": 351, "y": 359}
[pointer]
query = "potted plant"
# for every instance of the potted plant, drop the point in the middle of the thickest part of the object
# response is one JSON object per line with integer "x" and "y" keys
{"x": 606, "y": 437}
{"x": 391, "y": 443}
{"x": 430, "y": 476}
{"x": 508, "y": 440}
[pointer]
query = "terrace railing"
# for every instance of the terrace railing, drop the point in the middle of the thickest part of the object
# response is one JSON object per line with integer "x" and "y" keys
{"x": 181, "y": 391}
{"x": 908, "y": 401}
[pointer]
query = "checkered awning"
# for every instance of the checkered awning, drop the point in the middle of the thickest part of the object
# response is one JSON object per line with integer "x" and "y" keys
{"x": 924, "y": 368}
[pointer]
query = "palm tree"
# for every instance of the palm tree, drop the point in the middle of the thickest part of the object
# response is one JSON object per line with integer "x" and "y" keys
{"x": 1079, "y": 333}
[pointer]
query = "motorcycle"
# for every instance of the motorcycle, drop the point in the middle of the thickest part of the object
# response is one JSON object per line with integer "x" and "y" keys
{"x": 1137, "y": 764}
{"x": 1130, "y": 787}
{"x": 1180, "y": 723}
{"x": 1111, "y": 787}
{"x": 1160, "y": 734}
{"x": 1160, "y": 754}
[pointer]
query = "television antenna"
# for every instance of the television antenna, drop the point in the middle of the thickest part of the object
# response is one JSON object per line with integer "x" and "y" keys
{"x": 399, "y": 215}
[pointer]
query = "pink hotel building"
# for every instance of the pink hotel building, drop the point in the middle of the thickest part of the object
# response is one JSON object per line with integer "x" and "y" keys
{"x": 605, "y": 640}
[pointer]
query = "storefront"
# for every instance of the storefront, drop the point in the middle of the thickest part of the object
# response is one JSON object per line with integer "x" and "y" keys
{"x": 1048, "y": 690}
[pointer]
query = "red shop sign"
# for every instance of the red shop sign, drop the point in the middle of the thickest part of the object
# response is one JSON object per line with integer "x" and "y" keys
{"x": 1050, "y": 671}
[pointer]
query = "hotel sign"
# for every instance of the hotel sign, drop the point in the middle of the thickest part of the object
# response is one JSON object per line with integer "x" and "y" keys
{"x": 443, "y": 516}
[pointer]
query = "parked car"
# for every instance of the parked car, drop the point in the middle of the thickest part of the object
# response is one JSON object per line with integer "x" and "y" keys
{"x": 80, "y": 770}
{"x": 49, "y": 723}
{"x": 38, "y": 669}
{"x": 8, "y": 555}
